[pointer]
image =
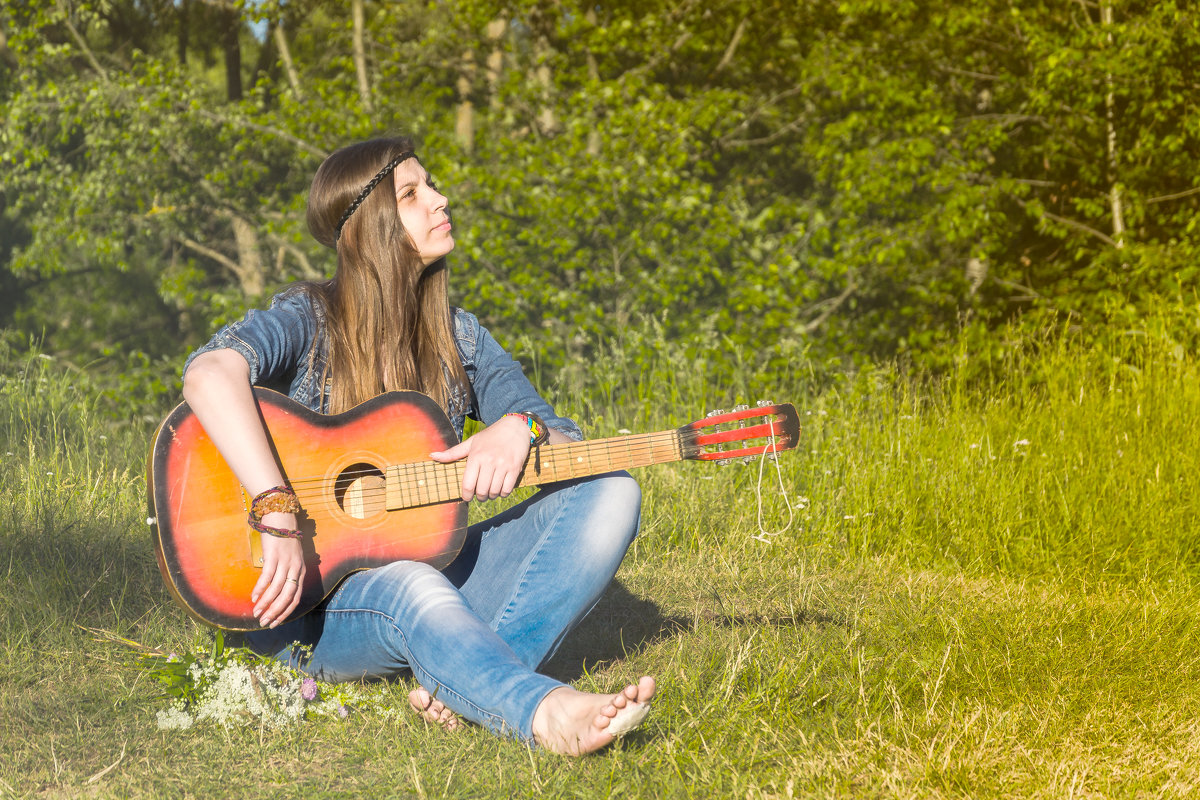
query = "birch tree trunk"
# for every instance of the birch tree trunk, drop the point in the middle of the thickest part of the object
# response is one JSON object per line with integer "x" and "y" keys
{"x": 495, "y": 61}
{"x": 464, "y": 118}
{"x": 1114, "y": 191}
{"x": 360, "y": 54}
{"x": 285, "y": 55}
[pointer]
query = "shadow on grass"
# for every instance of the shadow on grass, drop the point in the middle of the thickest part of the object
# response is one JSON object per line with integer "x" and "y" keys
{"x": 623, "y": 623}
{"x": 77, "y": 571}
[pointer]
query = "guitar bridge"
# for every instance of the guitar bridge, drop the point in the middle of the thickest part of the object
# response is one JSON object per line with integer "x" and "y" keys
{"x": 256, "y": 554}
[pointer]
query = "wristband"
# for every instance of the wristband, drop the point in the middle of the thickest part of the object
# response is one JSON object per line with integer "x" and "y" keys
{"x": 280, "y": 498}
{"x": 281, "y": 533}
{"x": 538, "y": 432}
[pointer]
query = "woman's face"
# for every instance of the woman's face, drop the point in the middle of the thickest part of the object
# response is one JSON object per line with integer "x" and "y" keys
{"x": 424, "y": 211}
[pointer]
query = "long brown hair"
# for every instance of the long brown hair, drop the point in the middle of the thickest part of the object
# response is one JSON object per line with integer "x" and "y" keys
{"x": 388, "y": 315}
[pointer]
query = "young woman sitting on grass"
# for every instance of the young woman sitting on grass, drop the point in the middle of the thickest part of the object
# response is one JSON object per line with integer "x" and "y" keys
{"x": 474, "y": 634}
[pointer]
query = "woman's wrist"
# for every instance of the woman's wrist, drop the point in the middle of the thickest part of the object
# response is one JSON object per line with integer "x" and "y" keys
{"x": 538, "y": 432}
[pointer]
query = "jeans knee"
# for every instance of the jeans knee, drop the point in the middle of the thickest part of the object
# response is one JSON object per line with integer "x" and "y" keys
{"x": 405, "y": 588}
{"x": 616, "y": 506}
{"x": 621, "y": 490}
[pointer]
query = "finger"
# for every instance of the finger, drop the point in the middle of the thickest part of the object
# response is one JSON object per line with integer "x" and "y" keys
{"x": 264, "y": 580}
{"x": 268, "y": 596}
{"x": 276, "y": 578}
{"x": 485, "y": 484}
{"x": 470, "y": 480}
{"x": 286, "y": 597}
{"x": 298, "y": 586}
{"x": 510, "y": 482}
{"x": 499, "y": 479}
{"x": 273, "y": 572}
{"x": 460, "y": 450}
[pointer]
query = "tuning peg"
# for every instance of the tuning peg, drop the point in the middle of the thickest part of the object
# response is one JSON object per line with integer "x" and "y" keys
{"x": 716, "y": 412}
{"x": 762, "y": 403}
{"x": 741, "y": 422}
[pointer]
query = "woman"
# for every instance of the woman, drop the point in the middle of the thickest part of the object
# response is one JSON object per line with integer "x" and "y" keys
{"x": 475, "y": 634}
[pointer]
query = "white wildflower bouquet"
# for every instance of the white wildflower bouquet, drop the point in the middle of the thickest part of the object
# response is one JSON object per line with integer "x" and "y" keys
{"x": 235, "y": 686}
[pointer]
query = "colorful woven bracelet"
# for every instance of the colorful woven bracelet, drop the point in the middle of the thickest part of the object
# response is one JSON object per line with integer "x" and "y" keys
{"x": 538, "y": 432}
{"x": 282, "y": 533}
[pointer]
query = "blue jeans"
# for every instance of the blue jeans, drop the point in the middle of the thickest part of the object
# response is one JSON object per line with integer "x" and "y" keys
{"x": 475, "y": 634}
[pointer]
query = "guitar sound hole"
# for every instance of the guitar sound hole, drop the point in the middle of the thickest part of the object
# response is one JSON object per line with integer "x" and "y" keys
{"x": 360, "y": 490}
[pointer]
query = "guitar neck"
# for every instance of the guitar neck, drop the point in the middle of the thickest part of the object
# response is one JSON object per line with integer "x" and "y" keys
{"x": 424, "y": 483}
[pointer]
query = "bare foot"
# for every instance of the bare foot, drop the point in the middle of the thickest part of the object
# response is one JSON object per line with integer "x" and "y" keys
{"x": 430, "y": 709}
{"x": 573, "y": 723}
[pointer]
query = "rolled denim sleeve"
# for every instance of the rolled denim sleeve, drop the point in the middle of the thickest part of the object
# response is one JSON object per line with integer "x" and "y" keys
{"x": 498, "y": 381}
{"x": 274, "y": 341}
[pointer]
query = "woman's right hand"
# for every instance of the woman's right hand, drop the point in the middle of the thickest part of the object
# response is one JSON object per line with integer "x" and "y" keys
{"x": 277, "y": 593}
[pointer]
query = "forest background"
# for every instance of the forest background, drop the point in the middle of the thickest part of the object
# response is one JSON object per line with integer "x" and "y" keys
{"x": 850, "y": 180}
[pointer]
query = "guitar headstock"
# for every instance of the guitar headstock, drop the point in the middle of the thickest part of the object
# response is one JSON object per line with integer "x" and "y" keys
{"x": 767, "y": 428}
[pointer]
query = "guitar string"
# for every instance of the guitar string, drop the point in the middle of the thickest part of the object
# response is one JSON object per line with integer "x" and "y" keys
{"x": 417, "y": 477}
{"x": 438, "y": 477}
{"x": 763, "y": 534}
{"x": 640, "y": 449}
{"x": 446, "y": 485}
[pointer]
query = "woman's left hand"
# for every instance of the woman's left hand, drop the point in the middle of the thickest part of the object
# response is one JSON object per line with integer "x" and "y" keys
{"x": 495, "y": 457}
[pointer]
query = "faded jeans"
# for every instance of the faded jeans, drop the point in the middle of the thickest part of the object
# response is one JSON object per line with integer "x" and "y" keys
{"x": 474, "y": 634}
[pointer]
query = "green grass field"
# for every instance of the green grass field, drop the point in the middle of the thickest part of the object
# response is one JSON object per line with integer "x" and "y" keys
{"x": 988, "y": 589}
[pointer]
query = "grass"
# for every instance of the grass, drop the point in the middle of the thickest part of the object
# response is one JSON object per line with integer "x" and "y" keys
{"x": 988, "y": 589}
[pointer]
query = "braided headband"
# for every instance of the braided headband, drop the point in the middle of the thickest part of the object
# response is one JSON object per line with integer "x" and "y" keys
{"x": 379, "y": 176}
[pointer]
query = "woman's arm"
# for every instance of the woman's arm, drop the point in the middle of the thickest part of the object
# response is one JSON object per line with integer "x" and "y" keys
{"x": 217, "y": 388}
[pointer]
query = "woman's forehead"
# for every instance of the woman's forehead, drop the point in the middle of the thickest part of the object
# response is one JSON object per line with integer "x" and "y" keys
{"x": 409, "y": 171}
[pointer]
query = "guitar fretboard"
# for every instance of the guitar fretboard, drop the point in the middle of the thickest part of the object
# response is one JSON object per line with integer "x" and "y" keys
{"x": 423, "y": 483}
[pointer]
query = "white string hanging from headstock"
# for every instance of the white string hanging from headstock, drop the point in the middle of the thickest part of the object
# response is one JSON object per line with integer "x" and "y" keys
{"x": 763, "y": 534}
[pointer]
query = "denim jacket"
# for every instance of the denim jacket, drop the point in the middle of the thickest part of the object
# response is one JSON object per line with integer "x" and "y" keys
{"x": 287, "y": 349}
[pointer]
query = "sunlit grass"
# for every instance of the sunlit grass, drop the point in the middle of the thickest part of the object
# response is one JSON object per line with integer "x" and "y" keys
{"x": 988, "y": 588}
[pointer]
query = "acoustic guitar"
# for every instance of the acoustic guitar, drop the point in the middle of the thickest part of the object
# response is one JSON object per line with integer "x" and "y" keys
{"x": 369, "y": 491}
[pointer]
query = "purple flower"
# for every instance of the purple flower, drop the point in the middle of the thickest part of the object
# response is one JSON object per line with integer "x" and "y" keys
{"x": 308, "y": 689}
{"x": 343, "y": 712}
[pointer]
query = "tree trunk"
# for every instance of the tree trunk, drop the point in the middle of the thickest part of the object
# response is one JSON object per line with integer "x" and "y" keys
{"x": 1114, "y": 192}
{"x": 464, "y": 117}
{"x": 233, "y": 55}
{"x": 181, "y": 31}
{"x": 495, "y": 61}
{"x": 547, "y": 119}
{"x": 250, "y": 266}
{"x": 360, "y": 54}
{"x": 285, "y": 55}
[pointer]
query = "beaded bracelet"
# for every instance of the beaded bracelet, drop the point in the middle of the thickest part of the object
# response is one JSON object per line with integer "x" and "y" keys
{"x": 538, "y": 432}
{"x": 280, "y": 498}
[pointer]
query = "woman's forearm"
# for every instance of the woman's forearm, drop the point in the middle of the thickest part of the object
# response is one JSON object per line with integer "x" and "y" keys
{"x": 217, "y": 388}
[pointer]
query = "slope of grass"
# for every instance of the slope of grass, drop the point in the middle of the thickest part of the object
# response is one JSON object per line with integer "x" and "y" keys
{"x": 987, "y": 589}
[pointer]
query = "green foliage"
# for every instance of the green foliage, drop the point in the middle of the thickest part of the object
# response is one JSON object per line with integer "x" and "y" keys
{"x": 851, "y": 180}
